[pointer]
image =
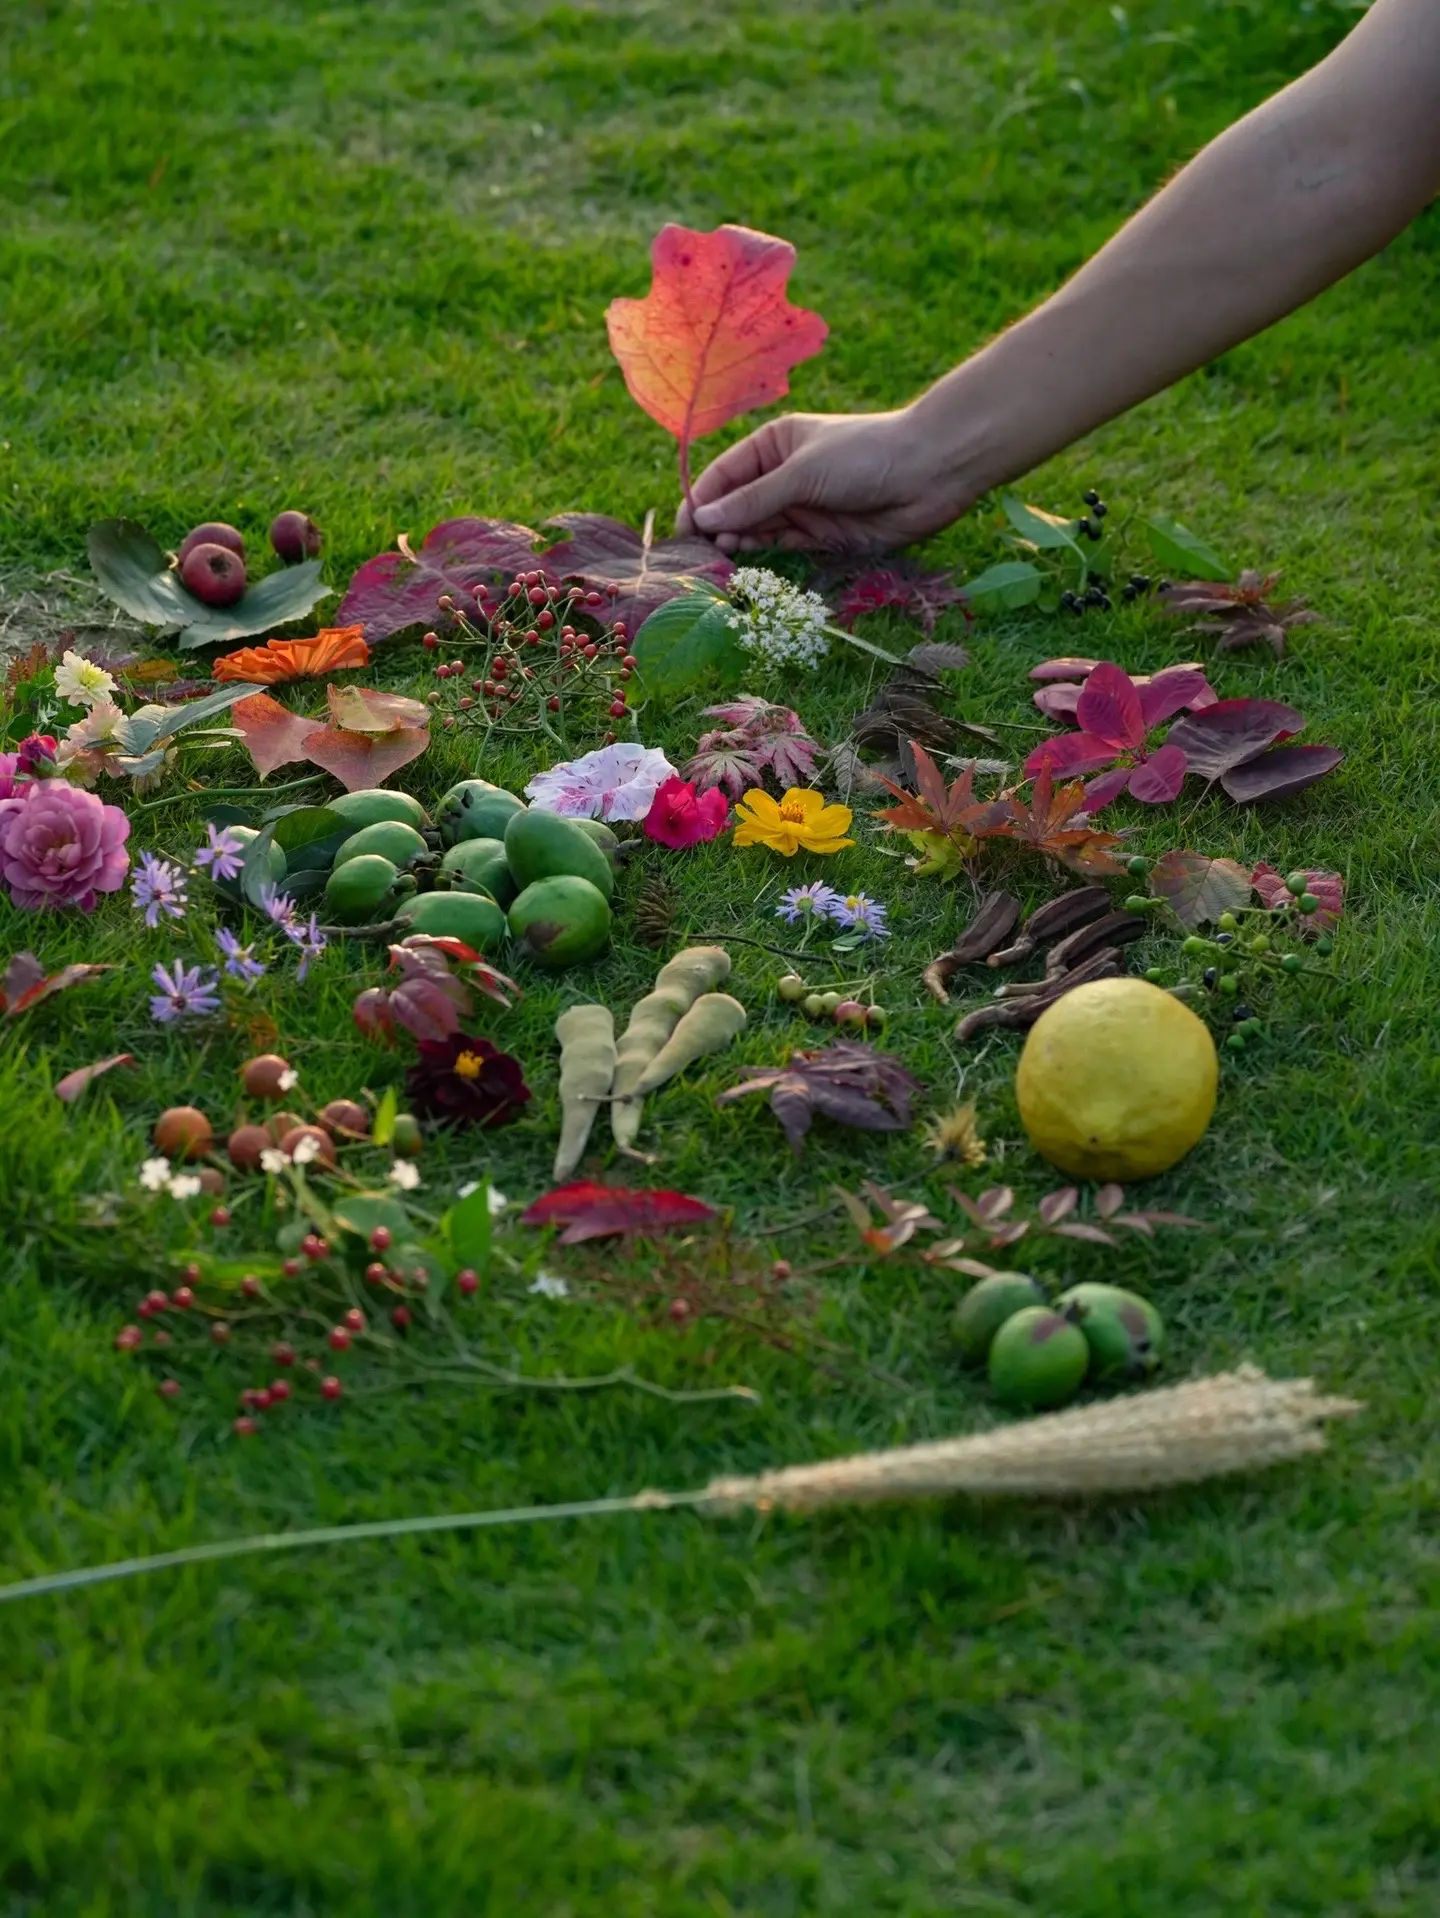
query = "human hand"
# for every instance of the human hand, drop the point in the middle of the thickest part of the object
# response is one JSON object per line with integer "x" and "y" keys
{"x": 844, "y": 482}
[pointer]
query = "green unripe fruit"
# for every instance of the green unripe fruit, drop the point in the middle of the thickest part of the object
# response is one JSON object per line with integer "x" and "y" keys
{"x": 986, "y": 1307}
{"x": 402, "y": 845}
{"x": 475, "y": 810}
{"x": 1324, "y": 945}
{"x": 1292, "y": 962}
{"x": 471, "y": 916}
{"x": 542, "y": 845}
{"x": 374, "y": 803}
{"x": 1227, "y": 922}
{"x": 561, "y": 921}
{"x": 1308, "y": 903}
{"x": 405, "y": 1140}
{"x": 364, "y": 889}
{"x": 791, "y": 988}
{"x": 1252, "y": 1028}
{"x": 877, "y": 1018}
{"x": 1156, "y": 975}
{"x": 829, "y": 1001}
{"x": 275, "y": 860}
{"x": 813, "y": 1004}
{"x": 1236, "y": 1041}
{"x": 1124, "y": 1332}
{"x": 596, "y": 829}
{"x": 1229, "y": 984}
{"x": 1195, "y": 946}
{"x": 1297, "y": 884}
{"x": 1260, "y": 943}
{"x": 478, "y": 865}
{"x": 1138, "y": 866}
{"x": 1137, "y": 902}
{"x": 1037, "y": 1358}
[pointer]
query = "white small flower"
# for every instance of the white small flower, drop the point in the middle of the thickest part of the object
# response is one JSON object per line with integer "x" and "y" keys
{"x": 273, "y": 1160}
{"x": 405, "y": 1175}
{"x": 80, "y": 682}
{"x": 777, "y": 623}
{"x": 550, "y": 1285}
{"x": 498, "y": 1201}
{"x": 288, "y": 1078}
{"x": 155, "y": 1175}
{"x": 184, "y": 1185}
{"x": 307, "y": 1149}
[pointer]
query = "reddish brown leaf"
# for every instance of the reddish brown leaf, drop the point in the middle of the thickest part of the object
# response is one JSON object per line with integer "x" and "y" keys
{"x": 1090, "y": 1234}
{"x": 591, "y": 1211}
{"x": 1327, "y": 887}
{"x": 636, "y": 572}
{"x": 1050, "y": 823}
{"x": 1230, "y": 732}
{"x": 715, "y": 336}
{"x": 362, "y": 760}
{"x": 1196, "y": 889}
{"x": 1279, "y": 774}
{"x": 934, "y": 807}
{"x": 273, "y": 735}
{"x": 400, "y": 589}
{"x": 846, "y": 1080}
{"x": 25, "y": 983}
{"x": 1109, "y": 1199}
{"x": 913, "y": 592}
{"x": 74, "y": 1083}
{"x": 1056, "y": 1206}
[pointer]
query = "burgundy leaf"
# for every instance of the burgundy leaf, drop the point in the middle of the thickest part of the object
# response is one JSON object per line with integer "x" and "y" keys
{"x": 1327, "y": 887}
{"x": 402, "y": 589}
{"x": 1230, "y": 732}
{"x": 1159, "y": 779}
{"x": 429, "y": 1008}
{"x": 1197, "y": 890}
{"x": 1278, "y": 774}
{"x": 1109, "y": 706}
{"x": 853, "y": 1107}
{"x": 1109, "y": 1199}
{"x": 1071, "y": 753}
{"x": 371, "y": 1013}
{"x": 1058, "y": 702}
{"x": 1173, "y": 689}
{"x": 1060, "y": 669}
{"x": 1056, "y": 1206}
{"x": 74, "y": 1083}
{"x": 1091, "y": 1234}
{"x": 592, "y": 1211}
{"x": 1108, "y": 787}
{"x": 609, "y": 557}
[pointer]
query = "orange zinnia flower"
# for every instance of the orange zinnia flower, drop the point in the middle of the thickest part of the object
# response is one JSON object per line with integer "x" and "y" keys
{"x": 800, "y": 821}
{"x": 332, "y": 650}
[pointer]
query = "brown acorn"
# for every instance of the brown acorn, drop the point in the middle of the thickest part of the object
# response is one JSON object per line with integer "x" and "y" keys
{"x": 183, "y": 1132}
{"x": 282, "y": 1123}
{"x": 344, "y": 1119}
{"x": 267, "y": 1077}
{"x": 326, "y": 1154}
{"x": 245, "y": 1145}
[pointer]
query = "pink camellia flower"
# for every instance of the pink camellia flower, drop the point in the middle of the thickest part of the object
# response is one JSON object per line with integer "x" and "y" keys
{"x": 680, "y": 817}
{"x": 60, "y": 847}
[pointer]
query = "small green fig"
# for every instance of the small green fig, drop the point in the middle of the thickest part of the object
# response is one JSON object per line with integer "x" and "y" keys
{"x": 1124, "y": 1332}
{"x": 1038, "y": 1358}
{"x": 985, "y": 1308}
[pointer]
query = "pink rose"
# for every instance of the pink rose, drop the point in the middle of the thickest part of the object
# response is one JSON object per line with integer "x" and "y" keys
{"x": 677, "y": 817}
{"x": 60, "y": 846}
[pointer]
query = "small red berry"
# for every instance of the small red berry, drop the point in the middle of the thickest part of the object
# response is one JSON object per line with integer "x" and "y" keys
{"x": 625, "y": 675}
{"x": 191, "y": 1274}
{"x": 593, "y": 599}
{"x": 617, "y": 708}
{"x": 127, "y": 1338}
{"x": 377, "y": 1272}
{"x": 545, "y": 621}
{"x": 442, "y": 672}
{"x": 261, "y": 1400}
{"x": 283, "y": 1353}
{"x": 400, "y": 1317}
{"x": 339, "y": 1339}
{"x": 537, "y": 596}
{"x": 220, "y": 1333}
{"x": 220, "y": 1216}
{"x": 183, "y": 1297}
{"x": 292, "y": 1268}
{"x": 250, "y": 1286}
{"x": 532, "y": 639}
{"x": 313, "y": 1246}
{"x": 629, "y": 662}
{"x": 464, "y": 705}
{"x": 610, "y": 739}
{"x": 355, "y": 1319}
{"x": 279, "y": 1391}
{"x": 781, "y": 1269}
{"x": 380, "y": 1239}
{"x": 156, "y": 1301}
{"x": 169, "y": 1388}
{"x": 449, "y": 722}
{"x": 553, "y": 703}
{"x": 499, "y": 666}
{"x": 331, "y": 1388}
{"x": 243, "y": 1427}
{"x": 619, "y": 629}
{"x": 445, "y": 603}
{"x": 679, "y": 1310}
{"x": 457, "y": 667}
{"x": 430, "y": 641}
{"x": 488, "y": 688}
{"x": 591, "y": 650}
{"x": 162, "y": 1338}
{"x": 467, "y": 1281}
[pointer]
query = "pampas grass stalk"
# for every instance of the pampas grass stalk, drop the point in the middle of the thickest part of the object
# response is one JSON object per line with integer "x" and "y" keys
{"x": 1236, "y": 1422}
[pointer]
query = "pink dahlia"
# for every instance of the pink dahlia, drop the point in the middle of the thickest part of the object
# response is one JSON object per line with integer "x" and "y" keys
{"x": 60, "y": 846}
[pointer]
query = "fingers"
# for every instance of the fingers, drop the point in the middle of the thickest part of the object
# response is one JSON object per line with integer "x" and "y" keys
{"x": 740, "y": 465}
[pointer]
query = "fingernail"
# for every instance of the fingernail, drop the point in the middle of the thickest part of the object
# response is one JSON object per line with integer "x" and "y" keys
{"x": 708, "y": 517}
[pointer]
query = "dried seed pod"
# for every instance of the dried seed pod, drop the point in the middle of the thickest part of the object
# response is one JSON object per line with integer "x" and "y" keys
{"x": 1053, "y": 920}
{"x": 1026, "y": 1009}
{"x": 1115, "y": 929}
{"x": 993, "y": 923}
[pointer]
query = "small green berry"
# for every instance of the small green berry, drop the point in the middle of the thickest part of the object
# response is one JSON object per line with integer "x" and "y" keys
{"x": 1156, "y": 975}
{"x": 1252, "y": 1028}
{"x": 1292, "y": 962}
{"x": 1236, "y": 1042}
{"x": 813, "y": 1004}
{"x": 792, "y": 988}
{"x": 1325, "y": 945}
{"x": 1297, "y": 883}
{"x": 829, "y": 1001}
{"x": 1137, "y": 902}
{"x": 1260, "y": 943}
{"x": 1195, "y": 946}
{"x": 1138, "y": 866}
{"x": 1308, "y": 903}
{"x": 1229, "y": 983}
{"x": 1227, "y": 922}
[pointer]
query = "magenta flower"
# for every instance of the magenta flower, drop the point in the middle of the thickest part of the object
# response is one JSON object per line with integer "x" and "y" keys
{"x": 678, "y": 817}
{"x": 12, "y": 783}
{"x": 60, "y": 846}
{"x": 1115, "y": 717}
{"x": 37, "y": 754}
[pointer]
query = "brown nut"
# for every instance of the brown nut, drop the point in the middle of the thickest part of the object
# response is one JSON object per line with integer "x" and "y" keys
{"x": 297, "y": 1134}
{"x": 245, "y": 1145}
{"x": 183, "y": 1132}
{"x": 344, "y": 1119}
{"x": 268, "y": 1076}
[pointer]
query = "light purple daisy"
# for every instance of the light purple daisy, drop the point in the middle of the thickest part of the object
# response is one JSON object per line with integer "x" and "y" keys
{"x": 279, "y": 909}
{"x": 186, "y": 992}
{"x": 157, "y": 887}
{"x": 222, "y": 855}
{"x": 815, "y": 901}
{"x": 240, "y": 961}
{"x": 311, "y": 942}
{"x": 857, "y": 913}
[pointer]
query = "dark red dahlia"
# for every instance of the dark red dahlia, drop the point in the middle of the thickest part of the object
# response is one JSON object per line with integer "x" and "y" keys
{"x": 464, "y": 1081}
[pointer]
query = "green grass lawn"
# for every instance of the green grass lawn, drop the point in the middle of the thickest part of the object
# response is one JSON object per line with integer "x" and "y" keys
{"x": 354, "y": 257}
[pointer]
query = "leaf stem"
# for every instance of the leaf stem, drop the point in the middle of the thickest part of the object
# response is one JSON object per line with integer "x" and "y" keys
{"x": 227, "y": 792}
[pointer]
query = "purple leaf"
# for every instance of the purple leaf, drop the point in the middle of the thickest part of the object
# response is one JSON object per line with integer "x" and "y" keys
{"x": 402, "y": 588}
{"x": 429, "y": 1008}
{"x": 612, "y": 558}
{"x": 1056, "y": 1206}
{"x": 1171, "y": 690}
{"x": 994, "y": 1204}
{"x": 1069, "y": 754}
{"x": 1109, "y": 1199}
{"x": 1109, "y": 706}
{"x": 1275, "y": 775}
{"x": 1160, "y": 778}
{"x": 1091, "y": 1234}
{"x": 1230, "y": 732}
{"x": 1107, "y": 788}
{"x": 1058, "y": 702}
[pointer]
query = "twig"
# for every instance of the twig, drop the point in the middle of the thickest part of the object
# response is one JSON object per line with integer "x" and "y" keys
{"x": 781, "y": 952}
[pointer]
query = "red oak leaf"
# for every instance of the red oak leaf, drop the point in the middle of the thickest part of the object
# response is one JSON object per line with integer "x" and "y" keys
{"x": 591, "y": 1211}
{"x": 715, "y": 335}
{"x": 402, "y": 588}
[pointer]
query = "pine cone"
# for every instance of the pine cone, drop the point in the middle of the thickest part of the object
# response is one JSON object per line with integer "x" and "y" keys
{"x": 656, "y": 910}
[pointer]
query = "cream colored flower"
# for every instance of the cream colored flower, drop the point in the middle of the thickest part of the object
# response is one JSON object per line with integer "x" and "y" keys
{"x": 80, "y": 682}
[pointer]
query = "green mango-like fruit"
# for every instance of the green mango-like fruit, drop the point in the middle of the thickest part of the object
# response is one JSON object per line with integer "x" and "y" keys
{"x": 561, "y": 921}
{"x": 393, "y": 840}
{"x": 478, "y": 865}
{"x": 475, "y": 810}
{"x": 985, "y": 1308}
{"x": 364, "y": 889}
{"x": 275, "y": 858}
{"x": 542, "y": 845}
{"x": 1124, "y": 1332}
{"x": 607, "y": 841}
{"x": 374, "y": 803}
{"x": 1038, "y": 1358}
{"x": 470, "y": 916}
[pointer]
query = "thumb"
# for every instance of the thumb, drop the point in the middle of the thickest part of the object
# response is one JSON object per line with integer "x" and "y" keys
{"x": 761, "y": 500}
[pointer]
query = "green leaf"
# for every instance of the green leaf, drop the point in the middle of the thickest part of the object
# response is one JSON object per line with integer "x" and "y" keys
{"x": 1005, "y": 587}
{"x": 467, "y": 1226}
{"x": 310, "y": 836}
{"x": 255, "y": 873}
{"x": 305, "y": 886}
{"x": 1045, "y": 530}
{"x": 150, "y": 726}
{"x": 361, "y": 1212}
{"x": 383, "y": 1130}
{"x": 131, "y": 569}
{"x": 221, "y": 813}
{"x": 1179, "y": 551}
{"x": 687, "y": 639}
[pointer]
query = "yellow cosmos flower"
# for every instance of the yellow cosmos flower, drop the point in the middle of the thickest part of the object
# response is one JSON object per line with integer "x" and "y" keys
{"x": 800, "y": 821}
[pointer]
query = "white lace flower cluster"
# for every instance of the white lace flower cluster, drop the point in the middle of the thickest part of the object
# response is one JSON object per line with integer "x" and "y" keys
{"x": 777, "y": 623}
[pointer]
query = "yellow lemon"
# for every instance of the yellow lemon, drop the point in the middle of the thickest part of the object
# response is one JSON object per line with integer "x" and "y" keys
{"x": 1117, "y": 1080}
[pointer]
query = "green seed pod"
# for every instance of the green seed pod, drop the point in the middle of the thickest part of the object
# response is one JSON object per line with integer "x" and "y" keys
{"x": 1037, "y": 1358}
{"x": 1196, "y": 946}
{"x": 1236, "y": 1041}
{"x": 1137, "y": 902}
{"x": 1260, "y": 943}
{"x": 1156, "y": 975}
{"x": 1124, "y": 1332}
{"x": 1324, "y": 945}
{"x": 1308, "y": 903}
{"x": 1252, "y": 1028}
{"x": 1138, "y": 866}
{"x": 1230, "y": 984}
{"x": 986, "y": 1307}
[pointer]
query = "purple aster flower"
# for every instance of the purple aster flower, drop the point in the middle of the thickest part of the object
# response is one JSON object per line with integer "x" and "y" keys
{"x": 158, "y": 887}
{"x": 311, "y": 942}
{"x": 186, "y": 992}
{"x": 240, "y": 961}
{"x": 222, "y": 855}
{"x": 857, "y": 913}
{"x": 279, "y": 909}
{"x": 815, "y": 901}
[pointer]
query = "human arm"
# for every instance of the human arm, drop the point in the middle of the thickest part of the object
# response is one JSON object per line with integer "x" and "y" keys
{"x": 1281, "y": 205}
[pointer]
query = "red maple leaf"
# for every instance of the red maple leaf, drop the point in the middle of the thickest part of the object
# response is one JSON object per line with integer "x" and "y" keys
{"x": 591, "y": 1211}
{"x": 1052, "y": 823}
{"x": 715, "y": 335}
{"x": 938, "y": 808}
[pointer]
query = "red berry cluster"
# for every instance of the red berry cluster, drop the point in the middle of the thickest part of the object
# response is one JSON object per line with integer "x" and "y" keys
{"x": 529, "y": 666}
